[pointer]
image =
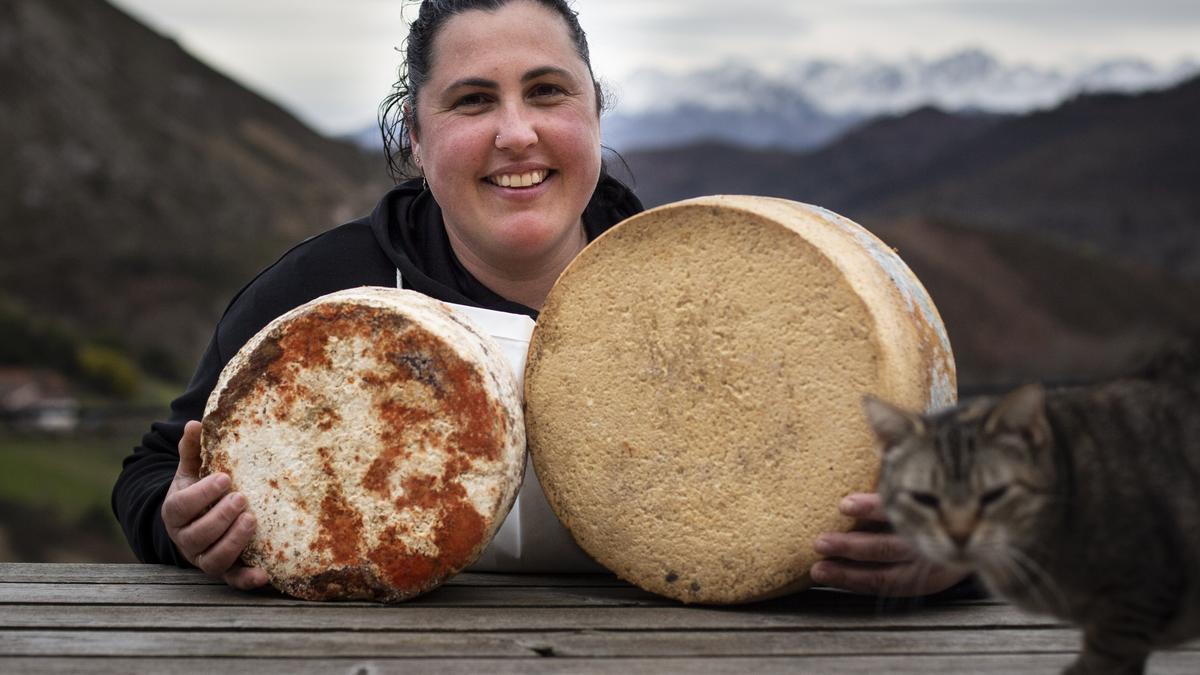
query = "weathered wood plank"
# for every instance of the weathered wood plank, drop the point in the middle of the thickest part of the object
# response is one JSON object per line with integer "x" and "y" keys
{"x": 1015, "y": 664}
{"x": 148, "y": 575}
{"x": 110, "y": 573}
{"x": 584, "y": 644}
{"x": 449, "y": 595}
{"x": 808, "y": 643}
{"x": 208, "y": 594}
{"x": 259, "y": 644}
{"x": 125, "y": 573}
{"x": 314, "y": 617}
{"x": 590, "y": 644}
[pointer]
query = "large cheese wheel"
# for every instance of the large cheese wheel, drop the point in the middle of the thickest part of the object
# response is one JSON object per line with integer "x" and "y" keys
{"x": 694, "y": 385}
{"x": 378, "y": 439}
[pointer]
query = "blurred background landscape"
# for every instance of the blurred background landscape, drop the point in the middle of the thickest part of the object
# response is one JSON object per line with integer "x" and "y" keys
{"x": 1052, "y": 208}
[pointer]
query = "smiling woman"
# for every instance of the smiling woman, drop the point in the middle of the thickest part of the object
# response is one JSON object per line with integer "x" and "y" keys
{"x": 507, "y": 134}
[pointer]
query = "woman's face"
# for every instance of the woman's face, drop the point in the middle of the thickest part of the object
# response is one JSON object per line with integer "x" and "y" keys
{"x": 509, "y": 136}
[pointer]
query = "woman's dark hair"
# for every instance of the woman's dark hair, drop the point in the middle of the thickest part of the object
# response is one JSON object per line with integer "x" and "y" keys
{"x": 397, "y": 113}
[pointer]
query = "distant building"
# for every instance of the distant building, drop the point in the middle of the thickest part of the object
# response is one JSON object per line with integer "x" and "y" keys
{"x": 33, "y": 399}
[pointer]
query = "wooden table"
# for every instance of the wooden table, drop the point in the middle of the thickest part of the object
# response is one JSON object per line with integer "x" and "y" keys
{"x": 144, "y": 618}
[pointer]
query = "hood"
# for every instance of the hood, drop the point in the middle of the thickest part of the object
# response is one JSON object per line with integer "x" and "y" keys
{"x": 407, "y": 224}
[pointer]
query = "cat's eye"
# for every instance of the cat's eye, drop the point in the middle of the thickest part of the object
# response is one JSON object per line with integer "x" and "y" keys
{"x": 925, "y": 499}
{"x": 993, "y": 495}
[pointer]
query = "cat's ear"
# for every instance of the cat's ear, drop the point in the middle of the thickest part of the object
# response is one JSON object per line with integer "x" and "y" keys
{"x": 1023, "y": 412}
{"x": 890, "y": 424}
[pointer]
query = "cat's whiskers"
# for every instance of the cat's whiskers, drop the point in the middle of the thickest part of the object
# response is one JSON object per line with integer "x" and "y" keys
{"x": 1057, "y": 603}
{"x": 998, "y": 568}
{"x": 887, "y": 597}
{"x": 988, "y": 557}
{"x": 931, "y": 548}
{"x": 924, "y": 569}
{"x": 1012, "y": 575}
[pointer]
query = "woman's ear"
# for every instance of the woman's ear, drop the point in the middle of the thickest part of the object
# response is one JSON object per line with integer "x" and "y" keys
{"x": 411, "y": 127}
{"x": 416, "y": 150}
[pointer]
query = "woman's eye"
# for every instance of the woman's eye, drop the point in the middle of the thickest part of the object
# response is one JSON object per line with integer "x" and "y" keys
{"x": 925, "y": 499}
{"x": 993, "y": 495}
{"x": 545, "y": 90}
{"x": 471, "y": 100}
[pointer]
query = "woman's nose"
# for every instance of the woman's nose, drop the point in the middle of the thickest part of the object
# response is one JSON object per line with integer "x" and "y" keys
{"x": 516, "y": 131}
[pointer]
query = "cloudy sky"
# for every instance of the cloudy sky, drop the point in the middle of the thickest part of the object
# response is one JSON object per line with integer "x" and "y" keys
{"x": 331, "y": 62}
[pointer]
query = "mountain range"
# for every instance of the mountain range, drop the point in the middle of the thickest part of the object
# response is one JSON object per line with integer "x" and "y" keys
{"x": 804, "y": 104}
{"x": 1113, "y": 172}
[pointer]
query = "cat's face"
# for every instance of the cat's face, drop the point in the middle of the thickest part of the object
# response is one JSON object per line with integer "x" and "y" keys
{"x": 965, "y": 485}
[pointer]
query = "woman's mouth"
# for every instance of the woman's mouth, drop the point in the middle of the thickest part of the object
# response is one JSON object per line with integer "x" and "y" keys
{"x": 519, "y": 180}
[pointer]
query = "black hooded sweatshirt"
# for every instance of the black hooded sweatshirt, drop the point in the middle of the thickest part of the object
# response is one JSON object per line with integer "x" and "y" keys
{"x": 403, "y": 233}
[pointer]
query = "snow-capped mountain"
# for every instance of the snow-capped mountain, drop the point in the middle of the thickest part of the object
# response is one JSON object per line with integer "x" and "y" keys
{"x": 970, "y": 79}
{"x": 807, "y": 103}
{"x": 733, "y": 102}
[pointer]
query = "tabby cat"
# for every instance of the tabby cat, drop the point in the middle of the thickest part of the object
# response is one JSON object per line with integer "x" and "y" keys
{"x": 1083, "y": 503}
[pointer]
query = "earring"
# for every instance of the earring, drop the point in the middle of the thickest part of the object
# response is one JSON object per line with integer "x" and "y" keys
{"x": 417, "y": 163}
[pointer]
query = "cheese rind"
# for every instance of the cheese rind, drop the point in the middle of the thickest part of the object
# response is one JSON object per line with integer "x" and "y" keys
{"x": 694, "y": 382}
{"x": 378, "y": 439}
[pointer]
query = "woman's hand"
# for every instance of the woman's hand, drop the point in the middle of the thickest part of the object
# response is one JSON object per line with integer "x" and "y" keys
{"x": 874, "y": 559}
{"x": 209, "y": 524}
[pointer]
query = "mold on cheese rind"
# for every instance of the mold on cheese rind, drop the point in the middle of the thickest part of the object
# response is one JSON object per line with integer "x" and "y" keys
{"x": 386, "y": 417}
{"x": 943, "y": 386}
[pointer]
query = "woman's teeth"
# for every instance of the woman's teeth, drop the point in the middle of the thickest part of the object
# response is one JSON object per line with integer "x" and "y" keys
{"x": 519, "y": 180}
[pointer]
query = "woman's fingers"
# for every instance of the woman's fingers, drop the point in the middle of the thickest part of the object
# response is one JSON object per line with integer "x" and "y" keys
{"x": 202, "y": 532}
{"x": 189, "y": 454}
{"x": 863, "y": 506}
{"x": 876, "y": 547}
{"x": 184, "y": 505}
{"x": 898, "y": 580}
{"x": 876, "y": 562}
{"x": 245, "y": 578}
{"x": 851, "y": 577}
{"x": 189, "y": 495}
{"x": 209, "y": 527}
{"x": 218, "y": 558}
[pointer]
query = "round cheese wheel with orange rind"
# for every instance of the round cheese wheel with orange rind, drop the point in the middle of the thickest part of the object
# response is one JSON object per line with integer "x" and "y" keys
{"x": 693, "y": 389}
{"x": 378, "y": 438}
